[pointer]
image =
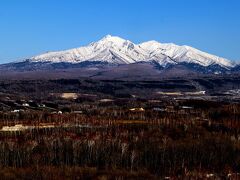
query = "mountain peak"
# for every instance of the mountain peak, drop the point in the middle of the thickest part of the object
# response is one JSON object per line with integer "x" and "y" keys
{"x": 108, "y": 36}
{"x": 114, "y": 39}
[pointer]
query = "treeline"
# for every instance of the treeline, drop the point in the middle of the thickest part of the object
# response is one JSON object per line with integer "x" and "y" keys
{"x": 176, "y": 143}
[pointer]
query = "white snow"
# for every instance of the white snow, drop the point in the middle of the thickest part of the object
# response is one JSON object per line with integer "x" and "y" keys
{"x": 184, "y": 54}
{"x": 116, "y": 50}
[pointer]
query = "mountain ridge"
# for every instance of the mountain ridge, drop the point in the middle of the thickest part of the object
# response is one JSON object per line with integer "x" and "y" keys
{"x": 115, "y": 50}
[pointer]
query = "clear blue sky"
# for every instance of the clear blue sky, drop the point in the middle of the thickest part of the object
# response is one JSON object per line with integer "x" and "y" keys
{"x": 30, "y": 27}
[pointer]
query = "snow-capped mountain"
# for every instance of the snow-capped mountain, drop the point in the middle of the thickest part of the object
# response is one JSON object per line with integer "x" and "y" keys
{"x": 113, "y": 56}
{"x": 115, "y": 50}
{"x": 109, "y": 49}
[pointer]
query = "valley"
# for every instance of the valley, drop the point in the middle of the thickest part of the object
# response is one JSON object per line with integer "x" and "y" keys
{"x": 90, "y": 128}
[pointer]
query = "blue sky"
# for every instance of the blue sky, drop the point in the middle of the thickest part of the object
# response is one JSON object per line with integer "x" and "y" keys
{"x": 30, "y": 27}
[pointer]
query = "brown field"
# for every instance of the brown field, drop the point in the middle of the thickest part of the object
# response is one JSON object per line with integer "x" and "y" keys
{"x": 108, "y": 135}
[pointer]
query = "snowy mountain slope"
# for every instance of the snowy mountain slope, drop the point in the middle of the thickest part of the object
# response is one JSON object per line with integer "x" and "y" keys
{"x": 115, "y": 50}
{"x": 109, "y": 49}
{"x": 185, "y": 54}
